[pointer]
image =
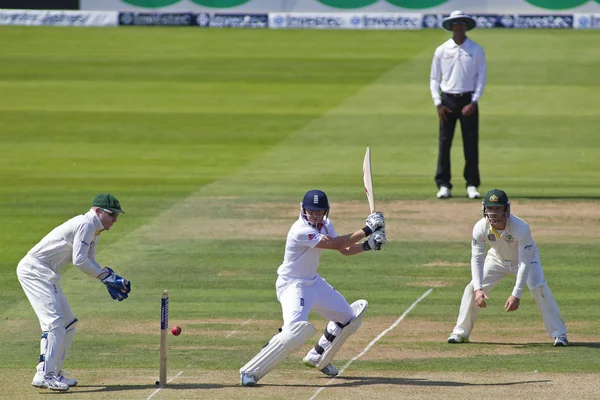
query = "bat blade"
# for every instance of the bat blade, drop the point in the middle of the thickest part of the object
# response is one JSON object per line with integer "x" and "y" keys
{"x": 368, "y": 180}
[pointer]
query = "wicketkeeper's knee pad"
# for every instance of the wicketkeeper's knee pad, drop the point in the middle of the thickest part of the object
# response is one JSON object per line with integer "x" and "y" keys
{"x": 359, "y": 307}
{"x": 69, "y": 333}
{"x": 54, "y": 349}
{"x": 287, "y": 341}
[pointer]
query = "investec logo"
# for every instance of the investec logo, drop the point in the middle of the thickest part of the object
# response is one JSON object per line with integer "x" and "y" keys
{"x": 232, "y": 20}
{"x": 546, "y": 21}
{"x": 391, "y": 21}
{"x": 314, "y": 21}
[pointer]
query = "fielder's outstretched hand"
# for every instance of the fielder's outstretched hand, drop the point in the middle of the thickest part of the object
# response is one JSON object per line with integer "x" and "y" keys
{"x": 375, "y": 222}
{"x": 118, "y": 287}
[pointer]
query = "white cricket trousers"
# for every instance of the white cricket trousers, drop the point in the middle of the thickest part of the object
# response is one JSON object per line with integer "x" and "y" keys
{"x": 299, "y": 296}
{"x": 495, "y": 269}
{"x": 42, "y": 287}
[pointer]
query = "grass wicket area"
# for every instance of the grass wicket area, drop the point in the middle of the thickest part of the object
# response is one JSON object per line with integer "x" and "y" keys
{"x": 209, "y": 138}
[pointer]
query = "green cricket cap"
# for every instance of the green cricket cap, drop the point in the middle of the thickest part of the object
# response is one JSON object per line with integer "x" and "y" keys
{"x": 495, "y": 197}
{"x": 107, "y": 201}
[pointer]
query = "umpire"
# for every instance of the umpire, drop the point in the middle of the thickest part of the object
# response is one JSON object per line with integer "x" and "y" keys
{"x": 458, "y": 74}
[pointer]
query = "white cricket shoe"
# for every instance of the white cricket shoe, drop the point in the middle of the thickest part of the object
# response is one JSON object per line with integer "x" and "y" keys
{"x": 49, "y": 382}
{"x": 454, "y": 338}
{"x": 38, "y": 378}
{"x": 247, "y": 380}
{"x": 328, "y": 370}
{"x": 472, "y": 192}
{"x": 444, "y": 193}
{"x": 65, "y": 379}
{"x": 561, "y": 341}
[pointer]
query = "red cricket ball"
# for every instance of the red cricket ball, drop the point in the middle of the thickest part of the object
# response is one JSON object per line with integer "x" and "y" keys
{"x": 176, "y": 330}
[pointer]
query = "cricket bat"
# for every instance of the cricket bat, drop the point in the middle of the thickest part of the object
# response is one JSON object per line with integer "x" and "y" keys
{"x": 368, "y": 180}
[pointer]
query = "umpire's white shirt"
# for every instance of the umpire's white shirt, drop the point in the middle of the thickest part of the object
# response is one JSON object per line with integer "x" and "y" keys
{"x": 73, "y": 242}
{"x": 458, "y": 69}
{"x": 513, "y": 245}
{"x": 301, "y": 258}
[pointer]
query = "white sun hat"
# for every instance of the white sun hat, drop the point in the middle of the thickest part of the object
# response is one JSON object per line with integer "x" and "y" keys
{"x": 458, "y": 16}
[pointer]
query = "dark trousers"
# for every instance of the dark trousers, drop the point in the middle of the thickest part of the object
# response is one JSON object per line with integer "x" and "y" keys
{"x": 470, "y": 136}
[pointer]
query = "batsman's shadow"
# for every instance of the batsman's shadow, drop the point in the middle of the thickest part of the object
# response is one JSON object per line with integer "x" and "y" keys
{"x": 370, "y": 380}
{"x": 356, "y": 381}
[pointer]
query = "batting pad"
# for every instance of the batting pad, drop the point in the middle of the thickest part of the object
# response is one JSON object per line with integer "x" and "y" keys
{"x": 288, "y": 341}
{"x": 359, "y": 307}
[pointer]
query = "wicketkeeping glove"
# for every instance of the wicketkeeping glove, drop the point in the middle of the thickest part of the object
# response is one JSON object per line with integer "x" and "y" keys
{"x": 375, "y": 242}
{"x": 375, "y": 222}
{"x": 118, "y": 287}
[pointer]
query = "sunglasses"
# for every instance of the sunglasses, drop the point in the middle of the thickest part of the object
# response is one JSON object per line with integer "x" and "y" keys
{"x": 110, "y": 212}
{"x": 459, "y": 23}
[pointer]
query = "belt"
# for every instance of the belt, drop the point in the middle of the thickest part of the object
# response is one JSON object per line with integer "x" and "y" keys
{"x": 458, "y": 94}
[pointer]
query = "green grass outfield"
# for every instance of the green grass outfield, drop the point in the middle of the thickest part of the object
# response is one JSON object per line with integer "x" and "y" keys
{"x": 199, "y": 131}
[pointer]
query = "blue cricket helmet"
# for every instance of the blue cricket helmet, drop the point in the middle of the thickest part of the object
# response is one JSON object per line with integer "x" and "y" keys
{"x": 315, "y": 200}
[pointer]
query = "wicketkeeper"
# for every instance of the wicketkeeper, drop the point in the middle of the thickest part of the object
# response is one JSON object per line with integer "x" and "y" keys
{"x": 73, "y": 242}
{"x": 300, "y": 289}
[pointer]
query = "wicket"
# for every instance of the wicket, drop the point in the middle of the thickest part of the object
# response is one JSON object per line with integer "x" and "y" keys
{"x": 164, "y": 337}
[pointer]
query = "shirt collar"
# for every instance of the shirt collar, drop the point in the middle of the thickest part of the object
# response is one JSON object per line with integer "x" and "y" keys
{"x": 452, "y": 44}
{"x": 97, "y": 223}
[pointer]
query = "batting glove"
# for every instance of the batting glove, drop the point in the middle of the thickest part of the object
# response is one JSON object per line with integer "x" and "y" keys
{"x": 374, "y": 222}
{"x": 375, "y": 242}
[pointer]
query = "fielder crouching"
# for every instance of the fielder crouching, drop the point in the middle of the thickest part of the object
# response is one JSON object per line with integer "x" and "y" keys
{"x": 73, "y": 242}
{"x": 512, "y": 252}
{"x": 300, "y": 289}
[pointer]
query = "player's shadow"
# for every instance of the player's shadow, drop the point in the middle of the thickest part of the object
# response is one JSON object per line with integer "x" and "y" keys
{"x": 120, "y": 388}
{"x": 558, "y": 197}
{"x": 369, "y": 380}
{"x": 591, "y": 345}
{"x": 354, "y": 381}
{"x": 512, "y": 344}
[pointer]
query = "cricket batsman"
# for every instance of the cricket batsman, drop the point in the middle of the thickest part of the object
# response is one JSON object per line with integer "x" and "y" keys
{"x": 73, "y": 242}
{"x": 300, "y": 289}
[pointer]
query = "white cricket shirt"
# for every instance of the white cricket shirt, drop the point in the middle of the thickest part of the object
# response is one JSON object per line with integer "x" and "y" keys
{"x": 301, "y": 258}
{"x": 458, "y": 69}
{"x": 73, "y": 242}
{"x": 513, "y": 245}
